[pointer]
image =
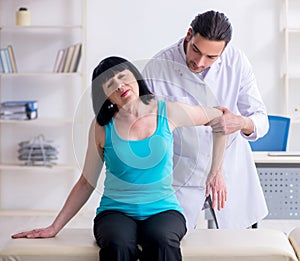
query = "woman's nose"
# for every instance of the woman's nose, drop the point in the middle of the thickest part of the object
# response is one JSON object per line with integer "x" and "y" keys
{"x": 120, "y": 86}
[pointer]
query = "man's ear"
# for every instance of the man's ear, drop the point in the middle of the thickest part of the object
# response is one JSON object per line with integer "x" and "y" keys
{"x": 189, "y": 34}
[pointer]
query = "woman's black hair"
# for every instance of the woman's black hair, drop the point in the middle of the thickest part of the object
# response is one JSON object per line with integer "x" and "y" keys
{"x": 103, "y": 108}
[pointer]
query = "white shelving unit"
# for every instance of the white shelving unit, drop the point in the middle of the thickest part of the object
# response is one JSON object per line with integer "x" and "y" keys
{"x": 291, "y": 62}
{"x": 54, "y": 25}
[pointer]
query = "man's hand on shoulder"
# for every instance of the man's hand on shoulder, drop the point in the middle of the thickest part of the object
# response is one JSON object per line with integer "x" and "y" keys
{"x": 229, "y": 123}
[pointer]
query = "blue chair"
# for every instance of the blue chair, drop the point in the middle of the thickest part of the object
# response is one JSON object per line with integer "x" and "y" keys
{"x": 277, "y": 136}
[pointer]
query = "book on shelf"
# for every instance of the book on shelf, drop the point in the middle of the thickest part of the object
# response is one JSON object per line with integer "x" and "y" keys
{"x": 19, "y": 115}
{"x": 1, "y": 64}
{"x": 63, "y": 60}
{"x": 75, "y": 58}
{"x": 67, "y": 59}
{"x": 7, "y": 60}
{"x": 70, "y": 52}
{"x": 26, "y": 105}
{"x": 4, "y": 63}
{"x": 12, "y": 58}
{"x": 59, "y": 60}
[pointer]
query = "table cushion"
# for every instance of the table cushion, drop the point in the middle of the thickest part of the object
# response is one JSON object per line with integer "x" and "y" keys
{"x": 294, "y": 238}
{"x": 236, "y": 245}
{"x": 201, "y": 244}
{"x": 68, "y": 245}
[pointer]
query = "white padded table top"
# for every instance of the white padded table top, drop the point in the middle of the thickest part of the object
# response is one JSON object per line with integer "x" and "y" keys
{"x": 68, "y": 245}
{"x": 294, "y": 238}
{"x": 201, "y": 244}
{"x": 237, "y": 244}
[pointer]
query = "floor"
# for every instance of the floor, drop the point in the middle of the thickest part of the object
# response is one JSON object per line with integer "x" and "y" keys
{"x": 10, "y": 223}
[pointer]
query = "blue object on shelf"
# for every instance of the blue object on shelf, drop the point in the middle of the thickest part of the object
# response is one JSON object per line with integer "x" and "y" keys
{"x": 277, "y": 136}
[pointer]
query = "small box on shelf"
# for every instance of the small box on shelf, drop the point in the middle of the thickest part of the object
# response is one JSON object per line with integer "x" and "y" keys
{"x": 23, "y": 17}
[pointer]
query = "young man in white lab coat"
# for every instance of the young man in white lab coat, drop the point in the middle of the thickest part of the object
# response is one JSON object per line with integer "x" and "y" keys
{"x": 203, "y": 68}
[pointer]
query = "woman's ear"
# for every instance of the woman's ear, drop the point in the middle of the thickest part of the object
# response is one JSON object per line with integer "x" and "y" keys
{"x": 110, "y": 105}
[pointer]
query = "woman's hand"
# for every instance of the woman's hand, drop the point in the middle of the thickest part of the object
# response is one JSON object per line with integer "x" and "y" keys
{"x": 215, "y": 184}
{"x": 37, "y": 233}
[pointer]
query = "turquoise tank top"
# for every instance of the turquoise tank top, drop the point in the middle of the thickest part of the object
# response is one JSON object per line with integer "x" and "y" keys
{"x": 139, "y": 177}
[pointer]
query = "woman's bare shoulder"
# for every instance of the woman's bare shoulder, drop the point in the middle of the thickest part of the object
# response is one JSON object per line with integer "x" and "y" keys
{"x": 97, "y": 133}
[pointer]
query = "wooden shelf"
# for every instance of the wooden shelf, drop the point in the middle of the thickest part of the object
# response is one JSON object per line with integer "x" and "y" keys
{"x": 26, "y": 212}
{"x": 38, "y": 120}
{"x": 18, "y": 167}
{"x": 37, "y": 213}
{"x": 44, "y": 27}
{"x": 293, "y": 29}
{"x": 292, "y": 75}
{"x": 39, "y": 74}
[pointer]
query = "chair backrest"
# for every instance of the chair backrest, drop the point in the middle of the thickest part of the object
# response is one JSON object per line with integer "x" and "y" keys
{"x": 277, "y": 136}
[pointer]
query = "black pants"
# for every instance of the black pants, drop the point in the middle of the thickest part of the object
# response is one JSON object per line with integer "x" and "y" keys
{"x": 120, "y": 236}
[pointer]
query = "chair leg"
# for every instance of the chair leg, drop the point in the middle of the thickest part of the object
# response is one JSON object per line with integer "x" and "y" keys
{"x": 255, "y": 225}
{"x": 211, "y": 224}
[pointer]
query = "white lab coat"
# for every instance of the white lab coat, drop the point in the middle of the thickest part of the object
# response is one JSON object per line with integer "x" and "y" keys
{"x": 229, "y": 83}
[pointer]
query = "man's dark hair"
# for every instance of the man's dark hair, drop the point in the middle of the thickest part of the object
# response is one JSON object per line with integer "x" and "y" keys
{"x": 103, "y": 108}
{"x": 212, "y": 26}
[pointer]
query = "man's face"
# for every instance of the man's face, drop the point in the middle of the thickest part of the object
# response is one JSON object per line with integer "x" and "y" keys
{"x": 200, "y": 52}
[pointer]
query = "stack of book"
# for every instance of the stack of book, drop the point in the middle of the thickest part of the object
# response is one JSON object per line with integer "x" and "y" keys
{"x": 37, "y": 152}
{"x": 67, "y": 59}
{"x": 7, "y": 60}
{"x": 19, "y": 110}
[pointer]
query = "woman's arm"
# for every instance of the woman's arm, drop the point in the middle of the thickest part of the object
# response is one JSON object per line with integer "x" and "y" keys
{"x": 80, "y": 192}
{"x": 180, "y": 114}
{"x": 215, "y": 184}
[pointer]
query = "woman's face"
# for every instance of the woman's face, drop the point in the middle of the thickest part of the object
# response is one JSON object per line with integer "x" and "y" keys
{"x": 122, "y": 88}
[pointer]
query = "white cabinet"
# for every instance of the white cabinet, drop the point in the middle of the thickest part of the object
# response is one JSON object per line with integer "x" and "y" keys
{"x": 55, "y": 24}
{"x": 291, "y": 58}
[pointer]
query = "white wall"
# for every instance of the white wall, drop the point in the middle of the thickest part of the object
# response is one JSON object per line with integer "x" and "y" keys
{"x": 138, "y": 29}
